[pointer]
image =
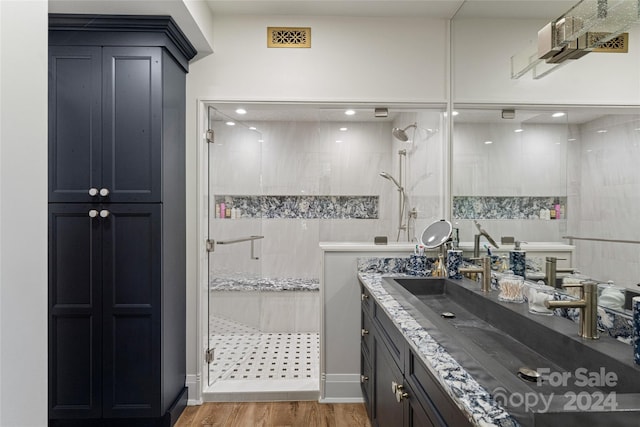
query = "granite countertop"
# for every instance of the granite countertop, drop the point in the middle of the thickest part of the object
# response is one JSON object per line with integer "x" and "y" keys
{"x": 465, "y": 391}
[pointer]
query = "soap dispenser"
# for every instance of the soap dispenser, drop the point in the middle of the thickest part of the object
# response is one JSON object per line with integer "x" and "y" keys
{"x": 517, "y": 260}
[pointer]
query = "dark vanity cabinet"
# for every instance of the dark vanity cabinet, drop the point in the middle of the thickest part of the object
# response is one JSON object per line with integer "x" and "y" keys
{"x": 117, "y": 250}
{"x": 397, "y": 388}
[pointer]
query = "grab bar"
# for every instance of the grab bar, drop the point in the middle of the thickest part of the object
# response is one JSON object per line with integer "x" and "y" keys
{"x": 596, "y": 239}
{"x": 211, "y": 244}
{"x": 242, "y": 239}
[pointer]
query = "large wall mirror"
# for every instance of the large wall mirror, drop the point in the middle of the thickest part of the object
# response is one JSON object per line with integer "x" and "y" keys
{"x": 511, "y": 168}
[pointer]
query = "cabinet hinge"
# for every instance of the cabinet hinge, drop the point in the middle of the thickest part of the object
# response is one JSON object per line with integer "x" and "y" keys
{"x": 211, "y": 245}
{"x": 209, "y": 355}
{"x": 210, "y": 136}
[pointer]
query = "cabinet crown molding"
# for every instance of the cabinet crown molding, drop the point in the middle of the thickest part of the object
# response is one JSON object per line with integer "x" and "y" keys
{"x": 103, "y": 25}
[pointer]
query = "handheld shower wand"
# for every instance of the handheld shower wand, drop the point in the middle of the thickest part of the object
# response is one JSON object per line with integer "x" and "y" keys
{"x": 401, "y": 206}
{"x": 392, "y": 179}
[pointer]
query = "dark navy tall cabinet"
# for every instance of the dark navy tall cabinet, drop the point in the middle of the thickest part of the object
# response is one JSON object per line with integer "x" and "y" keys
{"x": 116, "y": 220}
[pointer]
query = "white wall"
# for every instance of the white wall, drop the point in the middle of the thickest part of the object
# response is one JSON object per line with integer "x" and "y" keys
{"x": 482, "y": 49}
{"x": 23, "y": 213}
{"x": 350, "y": 60}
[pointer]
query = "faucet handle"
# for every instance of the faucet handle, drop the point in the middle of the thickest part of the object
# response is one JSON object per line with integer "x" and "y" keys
{"x": 585, "y": 286}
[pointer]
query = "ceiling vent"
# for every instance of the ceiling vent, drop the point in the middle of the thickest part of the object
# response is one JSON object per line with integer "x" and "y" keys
{"x": 619, "y": 44}
{"x": 289, "y": 37}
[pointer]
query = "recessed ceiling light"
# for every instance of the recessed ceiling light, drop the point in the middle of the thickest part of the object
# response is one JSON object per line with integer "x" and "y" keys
{"x": 338, "y": 141}
{"x": 349, "y": 112}
{"x": 602, "y": 131}
{"x": 241, "y": 111}
{"x": 343, "y": 129}
{"x": 518, "y": 130}
{"x": 557, "y": 143}
{"x": 571, "y": 139}
{"x": 252, "y": 128}
{"x": 488, "y": 142}
{"x": 261, "y": 140}
{"x": 454, "y": 113}
{"x": 558, "y": 114}
{"x": 230, "y": 123}
{"x": 637, "y": 129}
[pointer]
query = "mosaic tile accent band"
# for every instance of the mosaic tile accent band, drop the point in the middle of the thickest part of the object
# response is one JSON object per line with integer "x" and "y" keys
{"x": 298, "y": 207}
{"x": 497, "y": 207}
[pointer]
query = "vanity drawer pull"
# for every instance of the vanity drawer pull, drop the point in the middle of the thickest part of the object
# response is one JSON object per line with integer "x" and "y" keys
{"x": 364, "y": 332}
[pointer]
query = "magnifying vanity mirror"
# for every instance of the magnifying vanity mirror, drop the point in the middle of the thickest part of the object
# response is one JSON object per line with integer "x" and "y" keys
{"x": 436, "y": 234}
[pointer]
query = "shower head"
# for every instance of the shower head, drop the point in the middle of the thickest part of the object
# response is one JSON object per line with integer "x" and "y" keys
{"x": 401, "y": 134}
{"x": 392, "y": 179}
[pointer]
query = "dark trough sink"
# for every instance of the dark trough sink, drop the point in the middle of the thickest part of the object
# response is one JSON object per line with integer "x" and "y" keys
{"x": 582, "y": 381}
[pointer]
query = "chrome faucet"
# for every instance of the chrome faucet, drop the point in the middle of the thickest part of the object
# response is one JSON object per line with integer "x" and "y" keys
{"x": 551, "y": 270}
{"x": 588, "y": 305}
{"x": 484, "y": 269}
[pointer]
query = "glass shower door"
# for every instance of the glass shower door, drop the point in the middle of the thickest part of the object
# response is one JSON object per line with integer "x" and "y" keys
{"x": 234, "y": 244}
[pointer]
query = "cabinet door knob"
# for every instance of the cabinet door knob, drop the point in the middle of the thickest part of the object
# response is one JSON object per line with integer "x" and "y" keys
{"x": 93, "y": 191}
{"x": 104, "y": 213}
{"x": 364, "y": 297}
{"x": 400, "y": 394}
{"x": 364, "y": 378}
{"x": 104, "y": 192}
{"x": 364, "y": 332}
{"x": 93, "y": 213}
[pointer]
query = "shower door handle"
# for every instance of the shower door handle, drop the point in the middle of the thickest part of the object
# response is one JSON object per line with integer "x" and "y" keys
{"x": 211, "y": 243}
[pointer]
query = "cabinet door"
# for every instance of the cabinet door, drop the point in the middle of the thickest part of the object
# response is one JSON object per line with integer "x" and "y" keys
{"x": 132, "y": 121}
{"x": 75, "y": 111}
{"x": 132, "y": 297}
{"x": 387, "y": 411}
{"x": 416, "y": 416}
{"x": 75, "y": 312}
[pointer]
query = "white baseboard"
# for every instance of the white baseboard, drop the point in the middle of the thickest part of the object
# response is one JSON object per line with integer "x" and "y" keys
{"x": 194, "y": 386}
{"x": 341, "y": 388}
{"x": 341, "y": 400}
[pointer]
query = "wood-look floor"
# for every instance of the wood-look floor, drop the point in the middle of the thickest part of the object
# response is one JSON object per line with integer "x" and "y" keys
{"x": 272, "y": 414}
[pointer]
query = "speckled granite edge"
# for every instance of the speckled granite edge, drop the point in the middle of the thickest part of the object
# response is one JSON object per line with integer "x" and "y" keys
{"x": 247, "y": 284}
{"x": 465, "y": 391}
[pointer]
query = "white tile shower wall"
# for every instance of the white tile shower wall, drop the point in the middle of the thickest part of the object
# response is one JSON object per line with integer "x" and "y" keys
{"x": 298, "y": 158}
{"x": 424, "y": 166}
{"x": 606, "y": 153}
{"x": 268, "y": 311}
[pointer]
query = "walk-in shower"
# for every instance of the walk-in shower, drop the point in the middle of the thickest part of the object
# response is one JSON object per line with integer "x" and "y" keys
{"x": 263, "y": 312}
{"x": 279, "y": 182}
